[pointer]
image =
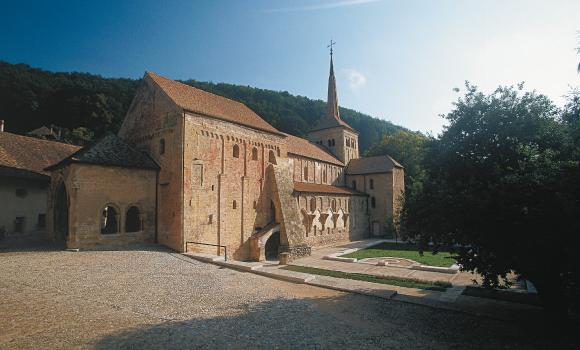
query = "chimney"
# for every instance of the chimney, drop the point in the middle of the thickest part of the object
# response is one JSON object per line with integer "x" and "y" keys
{"x": 2, "y": 125}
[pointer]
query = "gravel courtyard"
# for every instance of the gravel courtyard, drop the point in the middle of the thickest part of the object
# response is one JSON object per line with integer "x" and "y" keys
{"x": 153, "y": 298}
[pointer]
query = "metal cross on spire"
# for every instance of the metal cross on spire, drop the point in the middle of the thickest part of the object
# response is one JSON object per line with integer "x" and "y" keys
{"x": 332, "y": 43}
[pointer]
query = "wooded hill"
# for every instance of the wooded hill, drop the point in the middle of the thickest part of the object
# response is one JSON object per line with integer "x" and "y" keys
{"x": 90, "y": 105}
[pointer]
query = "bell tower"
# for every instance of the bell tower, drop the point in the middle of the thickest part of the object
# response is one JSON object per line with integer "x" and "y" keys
{"x": 331, "y": 131}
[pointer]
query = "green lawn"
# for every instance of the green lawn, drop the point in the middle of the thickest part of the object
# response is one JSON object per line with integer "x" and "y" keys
{"x": 401, "y": 250}
{"x": 395, "y": 281}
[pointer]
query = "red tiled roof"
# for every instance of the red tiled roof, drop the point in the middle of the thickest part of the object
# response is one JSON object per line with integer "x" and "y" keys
{"x": 318, "y": 188}
{"x": 31, "y": 154}
{"x": 305, "y": 148}
{"x": 202, "y": 102}
{"x": 372, "y": 165}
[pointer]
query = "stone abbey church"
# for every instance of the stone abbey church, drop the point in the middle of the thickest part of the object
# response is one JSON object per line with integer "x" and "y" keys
{"x": 199, "y": 172}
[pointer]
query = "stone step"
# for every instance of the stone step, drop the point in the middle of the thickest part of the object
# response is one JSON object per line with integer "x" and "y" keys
{"x": 285, "y": 275}
{"x": 205, "y": 257}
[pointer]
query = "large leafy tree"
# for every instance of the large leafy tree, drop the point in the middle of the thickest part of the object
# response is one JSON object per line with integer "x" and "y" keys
{"x": 408, "y": 148}
{"x": 502, "y": 184}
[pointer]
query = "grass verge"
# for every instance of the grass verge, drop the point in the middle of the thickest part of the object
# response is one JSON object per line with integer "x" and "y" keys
{"x": 407, "y": 251}
{"x": 395, "y": 281}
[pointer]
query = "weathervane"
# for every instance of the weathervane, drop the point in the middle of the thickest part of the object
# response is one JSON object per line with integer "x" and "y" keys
{"x": 332, "y": 43}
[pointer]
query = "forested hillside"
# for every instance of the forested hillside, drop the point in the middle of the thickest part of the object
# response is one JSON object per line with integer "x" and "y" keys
{"x": 87, "y": 105}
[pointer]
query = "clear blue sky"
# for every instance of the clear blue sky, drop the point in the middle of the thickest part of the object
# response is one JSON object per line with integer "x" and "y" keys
{"x": 396, "y": 60}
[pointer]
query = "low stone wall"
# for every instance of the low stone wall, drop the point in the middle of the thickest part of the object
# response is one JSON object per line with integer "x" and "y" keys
{"x": 296, "y": 251}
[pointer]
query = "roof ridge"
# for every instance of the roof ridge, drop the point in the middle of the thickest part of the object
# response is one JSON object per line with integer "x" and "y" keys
{"x": 193, "y": 87}
{"x": 52, "y": 142}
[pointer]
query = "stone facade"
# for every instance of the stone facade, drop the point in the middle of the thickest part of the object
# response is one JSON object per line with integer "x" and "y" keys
{"x": 23, "y": 213}
{"x": 226, "y": 181}
{"x": 85, "y": 191}
{"x": 384, "y": 201}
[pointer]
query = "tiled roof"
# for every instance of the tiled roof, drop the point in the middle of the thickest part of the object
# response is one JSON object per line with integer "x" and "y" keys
{"x": 318, "y": 188}
{"x": 305, "y": 148}
{"x": 199, "y": 101}
{"x": 29, "y": 154}
{"x": 42, "y": 131}
{"x": 110, "y": 150}
{"x": 372, "y": 165}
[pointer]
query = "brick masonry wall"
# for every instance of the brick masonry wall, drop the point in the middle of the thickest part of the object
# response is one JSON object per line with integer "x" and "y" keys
{"x": 224, "y": 196}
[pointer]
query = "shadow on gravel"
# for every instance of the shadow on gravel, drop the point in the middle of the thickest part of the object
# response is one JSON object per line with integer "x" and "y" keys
{"x": 23, "y": 246}
{"x": 29, "y": 245}
{"x": 348, "y": 321}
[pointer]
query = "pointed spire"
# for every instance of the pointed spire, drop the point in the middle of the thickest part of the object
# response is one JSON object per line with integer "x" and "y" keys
{"x": 332, "y": 117}
{"x": 332, "y": 101}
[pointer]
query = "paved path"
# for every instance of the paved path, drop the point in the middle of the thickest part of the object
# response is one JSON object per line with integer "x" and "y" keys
{"x": 153, "y": 299}
{"x": 316, "y": 260}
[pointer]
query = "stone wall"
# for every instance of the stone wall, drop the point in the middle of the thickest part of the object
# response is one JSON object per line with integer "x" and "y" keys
{"x": 154, "y": 124}
{"x": 385, "y": 190}
{"x": 329, "y": 219}
{"x": 25, "y": 201}
{"x": 91, "y": 188}
{"x": 341, "y": 145}
{"x": 224, "y": 199}
{"x": 314, "y": 171}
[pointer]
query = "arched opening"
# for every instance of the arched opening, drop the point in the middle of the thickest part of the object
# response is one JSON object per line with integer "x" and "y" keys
{"x": 61, "y": 214}
{"x": 162, "y": 146}
{"x": 234, "y": 205}
{"x": 306, "y": 172}
{"x": 312, "y": 204}
{"x": 254, "y": 153}
{"x": 373, "y": 202}
{"x": 133, "y": 220}
{"x": 109, "y": 221}
{"x": 271, "y": 157}
{"x": 272, "y": 247}
{"x": 236, "y": 151}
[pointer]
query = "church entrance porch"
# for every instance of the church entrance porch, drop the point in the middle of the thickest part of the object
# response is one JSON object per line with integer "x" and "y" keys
{"x": 272, "y": 248}
{"x": 265, "y": 244}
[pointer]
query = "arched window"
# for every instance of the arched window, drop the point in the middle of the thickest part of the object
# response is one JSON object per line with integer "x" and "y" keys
{"x": 333, "y": 205}
{"x": 354, "y": 184}
{"x": 333, "y": 142}
{"x": 372, "y": 184}
{"x": 373, "y": 202}
{"x": 324, "y": 177}
{"x": 271, "y": 157}
{"x": 236, "y": 151}
{"x": 109, "y": 221}
{"x": 347, "y": 142}
{"x": 235, "y": 205}
{"x": 133, "y": 220}
{"x": 312, "y": 204}
{"x": 254, "y": 153}
{"x": 162, "y": 146}
{"x": 306, "y": 173}
{"x": 329, "y": 143}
